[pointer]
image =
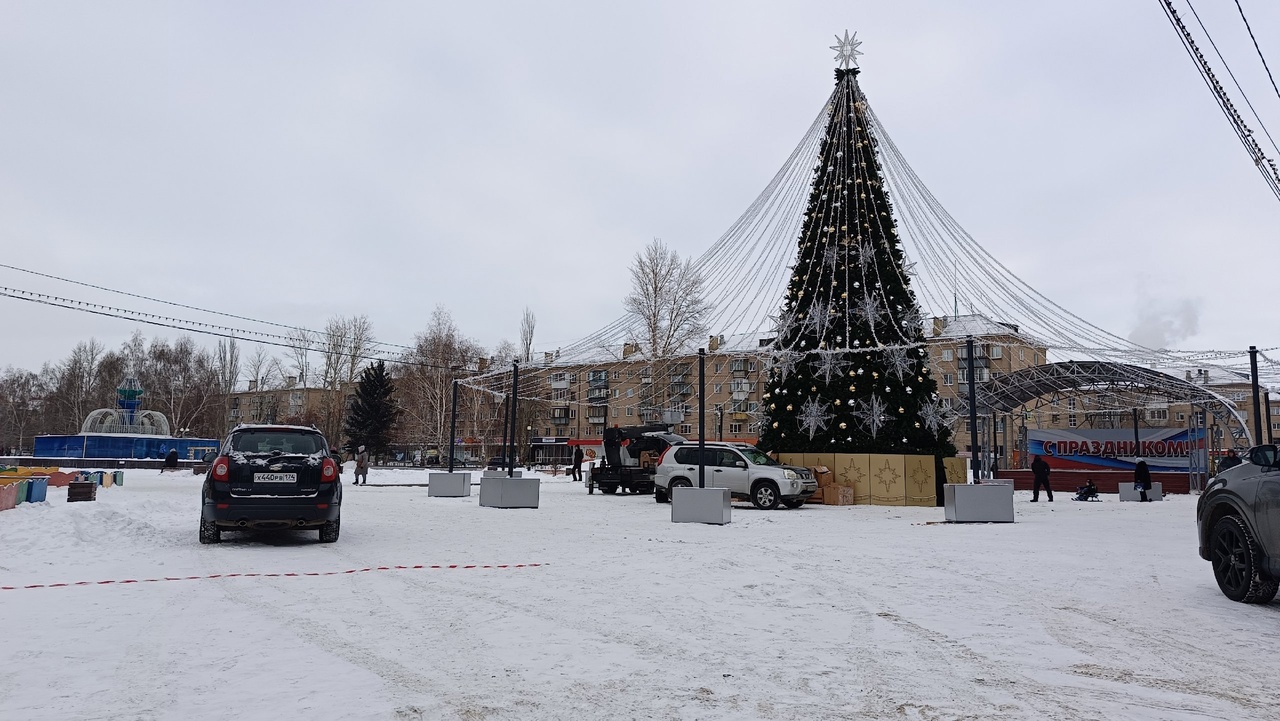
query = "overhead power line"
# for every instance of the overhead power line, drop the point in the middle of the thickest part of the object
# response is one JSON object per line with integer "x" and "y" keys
{"x": 1258, "y": 49}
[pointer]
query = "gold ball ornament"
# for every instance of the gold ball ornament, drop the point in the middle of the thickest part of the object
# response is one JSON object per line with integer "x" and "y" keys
{"x": 844, "y": 426}
{"x": 775, "y": 424}
{"x": 788, "y": 406}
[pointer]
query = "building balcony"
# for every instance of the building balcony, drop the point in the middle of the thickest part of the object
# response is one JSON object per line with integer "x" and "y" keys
{"x": 597, "y": 394}
{"x": 598, "y": 383}
{"x": 681, "y": 389}
{"x": 560, "y": 385}
{"x": 560, "y": 420}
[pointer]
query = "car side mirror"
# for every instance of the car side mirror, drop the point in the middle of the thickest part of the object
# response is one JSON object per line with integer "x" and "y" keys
{"x": 1265, "y": 456}
{"x": 209, "y": 456}
{"x": 741, "y": 464}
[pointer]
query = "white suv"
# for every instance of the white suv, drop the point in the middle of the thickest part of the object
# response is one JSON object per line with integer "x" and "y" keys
{"x": 745, "y": 470}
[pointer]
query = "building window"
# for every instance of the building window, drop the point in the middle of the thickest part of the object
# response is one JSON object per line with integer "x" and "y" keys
{"x": 948, "y": 379}
{"x": 573, "y": 412}
{"x": 1071, "y": 420}
{"x": 615, "y": 411}
{"x": 1157, "y": 414}
{"x": 1071, "y": 404}
{"x": 615, "y": 392}
{"x": 997, "y": 351}
{"x": 717, "y": 388}
{"x": 686, "y": 429}
{"x": 751, "y": 366}
{"x": 1022, "y": 354}
{"x": 1182, "y": 417}
{"x": 735, "y": 427}
{"x": 719, "y": 367}
{"x": 1055, "y": 418}
{"x": 631, "y": 410}
{"x": 948, "y": 355}
{"x": 617, "y": 375}
{"x": 631, "y": 392}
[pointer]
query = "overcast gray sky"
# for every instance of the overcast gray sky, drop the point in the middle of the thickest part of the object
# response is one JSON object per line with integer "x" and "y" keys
{"x": 292, "y": 161}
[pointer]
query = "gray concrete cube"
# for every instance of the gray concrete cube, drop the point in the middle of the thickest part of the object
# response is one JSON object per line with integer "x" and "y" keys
{"x": 700, "y": 505}
{"x": 978, "y": 503}
{"x": 449, "y": 485}
{"x": 506, "y": 492}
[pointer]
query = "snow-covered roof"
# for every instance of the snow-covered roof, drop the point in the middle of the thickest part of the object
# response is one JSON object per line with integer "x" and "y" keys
{"x": 963, "y": 326}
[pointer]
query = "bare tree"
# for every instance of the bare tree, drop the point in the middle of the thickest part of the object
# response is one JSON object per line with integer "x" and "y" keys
{"x": 527, "y": 323}
{"x": 440, "y": 354}
{"x": 261, "y": 368}
{"x": 335, "y": 344}
{"x": 20, "y": 394}
{"x": 360, "y": 345}
{"x": 666, "y": 302}
{"x": 301, "y": 342}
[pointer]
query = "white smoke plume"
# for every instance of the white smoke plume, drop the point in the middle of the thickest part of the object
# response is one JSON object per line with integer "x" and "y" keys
{"x": 1164, "y": 326}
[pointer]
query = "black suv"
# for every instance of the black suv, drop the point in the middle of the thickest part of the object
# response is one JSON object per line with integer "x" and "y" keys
{"x": 272, "y": 477}
{"x": 1238, "y": 517}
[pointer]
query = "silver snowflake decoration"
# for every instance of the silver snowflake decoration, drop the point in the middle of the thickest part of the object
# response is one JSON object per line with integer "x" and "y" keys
{"x": 828, "y": 366}
{"x": 784, "y": 364}
{"x": 899, "y": 362}
{"x": 847, "y": 51}
{"x": 913, "y": 320}
{"x": 934, "y": 416}
{"x": 872, "y": 414}
{"x": 784, "y": 322}
{"x": 868, "y": 309}
{"x": 813, "y": 416}
{"x": 864, "y": 252}
{"x": 831, "y": 257}
{"x": 819, "y": 317}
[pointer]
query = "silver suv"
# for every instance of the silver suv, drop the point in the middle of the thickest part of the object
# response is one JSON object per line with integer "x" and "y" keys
{"x": 745, "y": 470}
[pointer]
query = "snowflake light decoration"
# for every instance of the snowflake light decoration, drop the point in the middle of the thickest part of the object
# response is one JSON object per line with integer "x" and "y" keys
{"x": 872, "y": 414}
{"x": 868, "y": 309}
{"x": 813, "y": 417}
{"x": 847, "y": 51}
{"x": 829, "y": 365}
{"x": 899, "y": 361}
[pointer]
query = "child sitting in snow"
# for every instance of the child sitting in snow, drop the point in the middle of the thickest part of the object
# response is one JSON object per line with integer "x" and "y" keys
{"x": 1087, "y": 492}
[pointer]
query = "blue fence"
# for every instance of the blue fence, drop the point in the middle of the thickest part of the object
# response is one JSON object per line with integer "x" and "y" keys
{"x": 106, "y": 446}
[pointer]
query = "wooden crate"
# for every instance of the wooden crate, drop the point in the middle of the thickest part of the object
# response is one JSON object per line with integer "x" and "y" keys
{"x": 82, "y": 491}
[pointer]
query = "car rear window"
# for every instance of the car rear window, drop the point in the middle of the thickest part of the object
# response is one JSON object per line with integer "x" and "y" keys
{"x": 267, "y": 441}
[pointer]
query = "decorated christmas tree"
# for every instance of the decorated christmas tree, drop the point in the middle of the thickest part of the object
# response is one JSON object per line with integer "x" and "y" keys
{"x": 850, "y": 370}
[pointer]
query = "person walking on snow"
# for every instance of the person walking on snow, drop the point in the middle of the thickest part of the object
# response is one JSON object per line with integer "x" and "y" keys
{"x": 577, "y": 463}
{"x": 1142, "y": 479}
{"x": 362, "y": 467}
{"x": 1040, "y": 470}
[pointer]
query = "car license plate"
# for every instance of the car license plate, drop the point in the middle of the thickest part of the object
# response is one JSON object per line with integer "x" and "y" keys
{"x": 275, "y": 478}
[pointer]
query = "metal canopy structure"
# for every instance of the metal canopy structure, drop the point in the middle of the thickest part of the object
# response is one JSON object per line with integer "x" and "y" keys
{"x": 1007, "y": 393}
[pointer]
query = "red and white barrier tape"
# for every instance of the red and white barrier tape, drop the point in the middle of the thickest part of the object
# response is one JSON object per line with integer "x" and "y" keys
{"x": 445, "y": 567}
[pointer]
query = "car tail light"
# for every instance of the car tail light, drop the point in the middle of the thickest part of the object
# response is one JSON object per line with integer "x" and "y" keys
{"x": 664, "y": 455}
{"x": 222, "y": 469}
{"x": 328, "y": 471}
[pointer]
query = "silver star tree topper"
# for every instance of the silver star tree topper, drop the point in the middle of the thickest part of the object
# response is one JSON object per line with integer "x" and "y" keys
{"x": 847, "y": 50}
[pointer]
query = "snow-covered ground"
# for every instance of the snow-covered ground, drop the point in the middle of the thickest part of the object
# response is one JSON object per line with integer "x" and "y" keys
{"x": 1078, "y": 611}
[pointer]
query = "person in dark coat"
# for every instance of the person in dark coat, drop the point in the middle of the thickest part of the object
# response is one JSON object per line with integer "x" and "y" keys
{"x": 1040, "y": 470}
{"x": 1142, "y": 479}
{"x": 1231, "y": 460}
{"x": 577, "y": 463}
{"x": 171, "y": 460}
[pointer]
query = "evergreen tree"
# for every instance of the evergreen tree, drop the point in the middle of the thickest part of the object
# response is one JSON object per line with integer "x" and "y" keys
{"x": 849, "y": 372}
{"x": 374, "y": 412}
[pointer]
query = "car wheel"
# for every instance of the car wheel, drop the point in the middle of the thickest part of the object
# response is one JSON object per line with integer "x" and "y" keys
{"x": 765, "y": 496}
{"x": 794, "y": 503}
{"x": 609, "y": 489}
{"x": 209, "y": 532}
{"x": 329, "y": 531}
{"x": 1236, "y": 563}
{"x": 660, "y": 494}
